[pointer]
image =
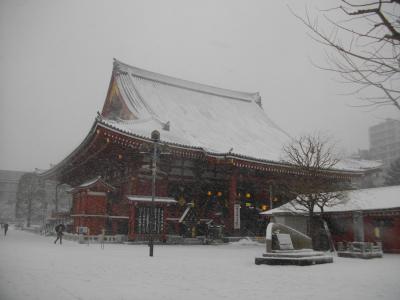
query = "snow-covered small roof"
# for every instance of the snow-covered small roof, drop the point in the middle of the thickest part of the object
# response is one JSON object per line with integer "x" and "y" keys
{"x": 91, "y": 182}
{"x": 217, "y": 120}
{"x": 140, "y": 198}
{"x": 356, "y": 200}
{"x": 358, "y": 164}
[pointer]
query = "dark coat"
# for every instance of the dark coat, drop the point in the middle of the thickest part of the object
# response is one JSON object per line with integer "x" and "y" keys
{"x": 59, "y": 229}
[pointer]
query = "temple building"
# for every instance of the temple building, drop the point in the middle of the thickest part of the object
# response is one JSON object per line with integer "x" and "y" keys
{"x": 217, "y": 156}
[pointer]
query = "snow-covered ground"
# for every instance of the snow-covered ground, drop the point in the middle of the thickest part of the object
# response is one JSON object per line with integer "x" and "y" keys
{"x": 32, "y": 267}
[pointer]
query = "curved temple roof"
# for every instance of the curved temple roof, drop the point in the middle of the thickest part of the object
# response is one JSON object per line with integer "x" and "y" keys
{"x": 191, "y": 114}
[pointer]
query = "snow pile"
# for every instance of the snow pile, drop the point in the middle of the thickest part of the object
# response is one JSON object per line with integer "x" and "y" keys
{"x": 246, "y": 242}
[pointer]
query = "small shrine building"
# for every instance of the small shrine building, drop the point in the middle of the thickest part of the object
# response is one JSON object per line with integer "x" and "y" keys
{"x": 364, "y": 215}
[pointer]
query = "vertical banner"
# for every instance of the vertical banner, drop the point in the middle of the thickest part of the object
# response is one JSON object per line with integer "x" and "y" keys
{"x": 236, "y": 216}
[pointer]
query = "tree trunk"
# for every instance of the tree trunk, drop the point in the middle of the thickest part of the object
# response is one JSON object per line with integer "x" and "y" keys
{"x": 29, "y": 209}
{"x": 311, "y": 227}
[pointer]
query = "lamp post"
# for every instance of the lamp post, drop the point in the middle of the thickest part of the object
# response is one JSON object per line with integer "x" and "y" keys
{"x": 155, "y": 136}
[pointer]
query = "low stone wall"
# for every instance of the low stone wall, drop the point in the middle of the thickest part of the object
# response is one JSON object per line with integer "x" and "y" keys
{"x": 84, "y": 239}
{"x": 33, "y": 229}
{"x": 360, "y": 250}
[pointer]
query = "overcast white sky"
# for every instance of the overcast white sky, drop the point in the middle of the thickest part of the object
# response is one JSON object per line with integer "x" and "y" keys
{"x": 56, "y": 61}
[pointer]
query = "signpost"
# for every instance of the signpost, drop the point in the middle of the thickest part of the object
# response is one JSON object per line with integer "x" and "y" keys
{"x": 155, "y": 136}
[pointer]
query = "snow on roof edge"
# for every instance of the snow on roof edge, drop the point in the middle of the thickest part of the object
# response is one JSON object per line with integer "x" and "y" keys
{"x": 186, "y": 84}
{"x": 143, "y": 198}
{"x": 358, "y": 200}
{"x": 106, "y": 123}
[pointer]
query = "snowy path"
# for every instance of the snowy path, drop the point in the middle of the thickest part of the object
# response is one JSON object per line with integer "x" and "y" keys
{"x": 32, "y": 267}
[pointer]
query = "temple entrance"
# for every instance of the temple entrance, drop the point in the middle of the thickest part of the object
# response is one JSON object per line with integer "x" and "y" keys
{"x": 252, "y": 200}
{"x": 146, "y": 216}
{"x": 121, "y": 226}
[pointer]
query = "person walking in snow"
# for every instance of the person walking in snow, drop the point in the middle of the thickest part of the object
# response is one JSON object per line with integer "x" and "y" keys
{"x": 5, "y": 226}
{"x": 59, "y": 230}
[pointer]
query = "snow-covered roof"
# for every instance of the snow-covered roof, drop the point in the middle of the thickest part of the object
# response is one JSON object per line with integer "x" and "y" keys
{"x": 214, "y": 119}
{"x": 10, "y": 176}
{"x": 91, "y": 182}
{"x": 191, "y": 115}
{"x": 356, "y": 200}
{"x": 358, "y": 164}
{"x": 140, "y": 198}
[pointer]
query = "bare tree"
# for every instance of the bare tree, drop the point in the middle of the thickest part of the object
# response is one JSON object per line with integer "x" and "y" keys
{"x": 30, "y": 198}
{"x": 314, "y": 187}
{"x": 366, "y": 47}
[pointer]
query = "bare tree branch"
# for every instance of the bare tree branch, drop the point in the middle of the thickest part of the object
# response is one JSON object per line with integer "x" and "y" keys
{"x": 364, "y": 48}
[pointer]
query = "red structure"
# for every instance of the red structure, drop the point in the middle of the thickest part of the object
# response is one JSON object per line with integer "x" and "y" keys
{"x": 368, "y": 225}
{"x": 218, "y": 159}
{"x": 367, "y": 215}
{"x": 91, "y": 207}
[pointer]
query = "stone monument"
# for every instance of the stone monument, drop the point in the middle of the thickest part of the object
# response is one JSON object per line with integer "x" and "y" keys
{"x": 287, "y": 246}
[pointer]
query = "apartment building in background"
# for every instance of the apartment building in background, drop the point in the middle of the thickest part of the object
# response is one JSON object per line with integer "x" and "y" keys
{"x": 384, "y": 141}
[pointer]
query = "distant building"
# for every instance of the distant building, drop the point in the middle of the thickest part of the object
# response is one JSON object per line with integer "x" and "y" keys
{"x": 361, "y": 154}
{"x": 8, "y": 194}
{"x": 384, "y": 139}
{"x": 373, "y": 175}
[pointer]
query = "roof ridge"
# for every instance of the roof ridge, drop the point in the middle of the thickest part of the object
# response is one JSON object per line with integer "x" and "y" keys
{"x": 186, "y": 84}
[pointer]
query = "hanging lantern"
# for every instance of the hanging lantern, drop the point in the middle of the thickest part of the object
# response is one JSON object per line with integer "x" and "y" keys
{"x": 264, "y": 207}
{"x": 209, "y": 193}
{"x": 248, "y": 195}
{"x": 181, "y": 201}
{"x": 248, "y": 204}
{"x": 219, "y": 194}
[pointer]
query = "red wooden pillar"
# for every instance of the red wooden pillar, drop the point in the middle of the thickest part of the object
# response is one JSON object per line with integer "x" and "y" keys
{"x": 85, "y": 202}
{"x": 131, "y": 222}
{"x": 229, "y": 225}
